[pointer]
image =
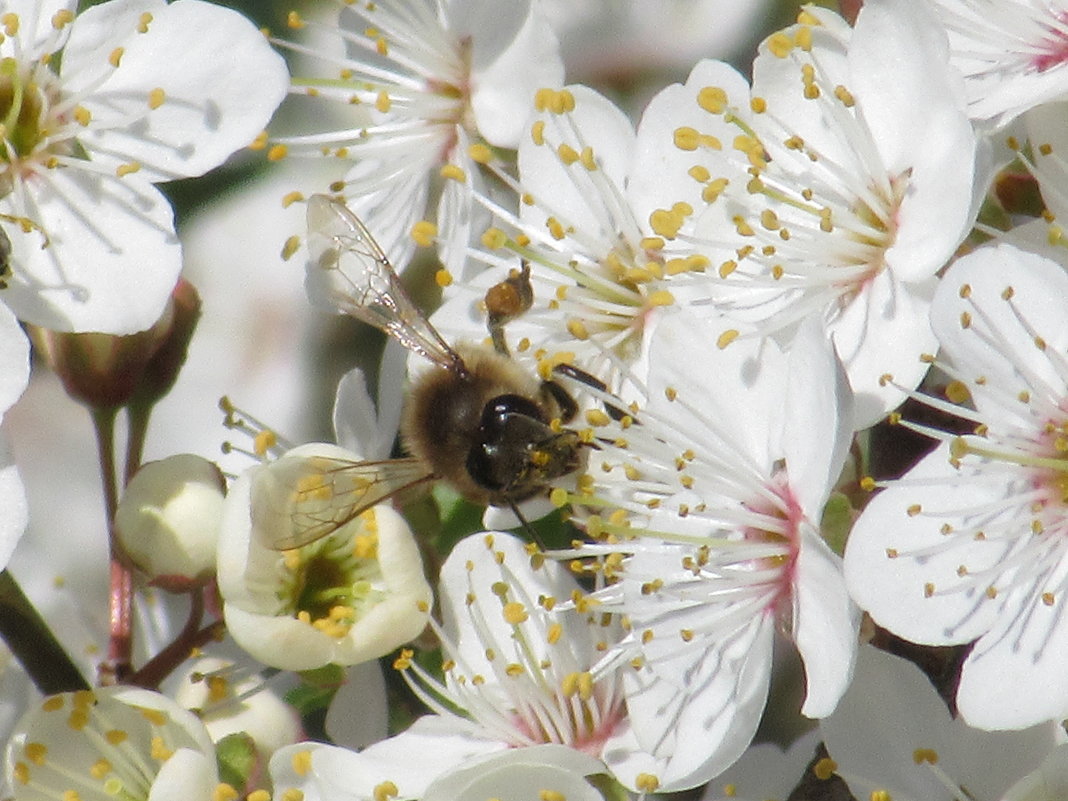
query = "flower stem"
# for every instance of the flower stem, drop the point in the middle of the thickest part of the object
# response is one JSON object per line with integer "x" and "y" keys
{"x": 117, "y": 667}
{"x": 33, "y": 643}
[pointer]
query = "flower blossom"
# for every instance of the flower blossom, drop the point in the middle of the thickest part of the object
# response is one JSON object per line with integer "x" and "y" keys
{"x": 594, "y": 231}
{"x": 97, "y": 108}
{"x": 969, "y": 545}
{"x": 113, "y": 742}
{"x": 419, "y": 85}
{"x": 835, "y": 188}
{"x": 707, "y": 511}
{"x": 517, "y": 673}
{"x": 347, "y": 597}
{"x": 1013, "y": 53}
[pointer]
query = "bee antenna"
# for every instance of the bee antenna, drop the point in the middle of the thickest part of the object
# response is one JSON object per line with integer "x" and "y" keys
{"x": 525, "y": 524}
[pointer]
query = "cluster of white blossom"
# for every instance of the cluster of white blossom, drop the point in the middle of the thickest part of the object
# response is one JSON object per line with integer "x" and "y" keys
{"x": 752, "y": 294}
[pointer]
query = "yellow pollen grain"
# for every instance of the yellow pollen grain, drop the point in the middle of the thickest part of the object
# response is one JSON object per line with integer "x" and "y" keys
{"x": 127, "y": 169}
{"x": 453, "y": 173}
{"x": 1048, "y": 598}
{"x": 844, "y": 96}
{"x": 589, "y": 161}
{"x": 385, "y": 791}
{"x": 223, "y": 792}
{"x": 928, "y": 589}
{"x": 480, "y": 153}
{"x": 52, "y": 704}
{"x": 277, "y": 152}
{"x": 259, "y": 795}
{"x": 758, "y": 105}
{"x": 537, "y": 133}
{"x": 62, "y": 19}
{"x": 780, "y": 44}
{"x": 712, "y": 99}
{"x": 660, "y": 298}
{"x": 10, "y": 22}
{"x": 294, "y": 21}
{"x": 115, "y": 736}
{"x": 824, "y": 768}
{"x": 159, "y": 750}
{"x": 514, "y": 613}
{"x": 556, "y": 228}
{"x": 646, "y": 782}
{"x": 301, "y": 762}
{"x": 291, "y": 246}
{"x": 292, "y": 794}
{"x": 82, "y": 115}
{"x": 423, "y": 233}
{"x": 726, "y": 338}
{"x": 568, "y": 155}
{"x": 37, "y": 753}
{"x": 577, "y": 329}
{"x": 70, "y": 795}
{"x": 494, "y": 238}
{"x": 383, "y": 102}
{"x": 143, "y": 22}
{"x": 551, "y": 795}
{"x": 115, "y": 56}
{"x": 156, "y": 98}
{"x": 925, "y": 755}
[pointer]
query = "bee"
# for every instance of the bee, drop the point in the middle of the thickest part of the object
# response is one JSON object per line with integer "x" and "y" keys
{"x": 475, "y": 419}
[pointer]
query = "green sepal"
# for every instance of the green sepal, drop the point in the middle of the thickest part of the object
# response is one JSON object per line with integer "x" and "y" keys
{"x": 236, "y": 756}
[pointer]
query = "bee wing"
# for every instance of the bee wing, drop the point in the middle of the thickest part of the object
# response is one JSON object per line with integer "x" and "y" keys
{"x": 362, "y": 282}
{"x": 299, "y": 499}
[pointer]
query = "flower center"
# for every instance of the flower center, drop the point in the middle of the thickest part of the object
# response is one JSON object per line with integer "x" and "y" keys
{"x": 28, "y": 118}
{"x": 335, "y": 581}
{"x": 1054, "y": 48}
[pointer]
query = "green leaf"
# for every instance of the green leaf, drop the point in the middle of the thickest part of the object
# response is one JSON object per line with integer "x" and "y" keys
{"x": 837, "y": 522}
{"x": 316, "y": 690}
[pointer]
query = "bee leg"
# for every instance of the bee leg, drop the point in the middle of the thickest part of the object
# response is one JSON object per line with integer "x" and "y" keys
{"x": 577, "y": 374}
{"x": 527, "y": 528}
{"x": 505, "y": 301}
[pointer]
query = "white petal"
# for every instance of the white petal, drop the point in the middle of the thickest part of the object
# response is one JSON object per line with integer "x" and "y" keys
{"x": 900, "y": 96}
{"x": 1023, "y": 654}
{"x": 507, "y": 560}
{"x": 335, "y": 774}
{"x": 14, "y": 359}
{"x": 891, "y": 710}
{"x": 660, "y": 176}
{"x": 186, "y": 774}
{"x": 439, "y": 746}
{"x": 573, "y": 194}
{"x": 358, "y": 715}
{"x": 996, "y": 344}
{"x": 740, "y": 389}
{"x": 826, "y": 625}
{"x": 884, "y": 330}
{"x": 522, "y": 774}
{"x": 220, "y": 78}
{"x": 112, "y": 259}
{"x": 281, "y": 642}
{"x": 819, "y": 418}
{"x": 697, "y": 709}
{"x": 923, "y": 597}
{"x": 504, "y": 81}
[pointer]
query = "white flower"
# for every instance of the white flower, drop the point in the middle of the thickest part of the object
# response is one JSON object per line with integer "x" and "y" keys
{"x": 970, "y": 544}
{"x": 516, "y": 672}
{"x": 317, "y": 772}
{"x": 168, "y": 519}
{"x": 714, "y": 496}
{"x": 96, "y": 109}
{"x": 836, "y": 187}
{"x": 765, "y": 772}
{"x": 420, "y": 81}
{"x": 348, "y": 597}
{"x": 893, "y": 734}
{"x": 1013, "y": 53}
{"x": 112, "y": 742}
{"x": 14, "y": 376}
{"x": 594, "y": 231}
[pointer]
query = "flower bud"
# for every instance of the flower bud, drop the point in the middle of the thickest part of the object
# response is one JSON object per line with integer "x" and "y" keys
{"x": 168, "y": 520}
{"x": 229, "y": 704}
{"x": 162, "y": 369}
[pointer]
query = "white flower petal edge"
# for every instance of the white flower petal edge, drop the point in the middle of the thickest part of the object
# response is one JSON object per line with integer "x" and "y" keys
{"x": 523, "y": 774}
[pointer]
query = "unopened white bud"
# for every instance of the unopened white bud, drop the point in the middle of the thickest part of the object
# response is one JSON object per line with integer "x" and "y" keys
{"x": 168, "y": 520}
{"x": 229, "y": 702}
